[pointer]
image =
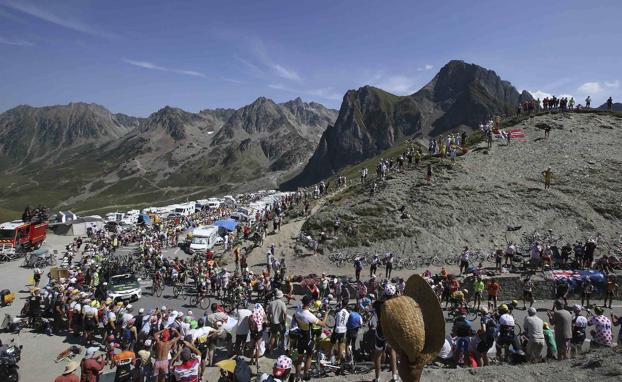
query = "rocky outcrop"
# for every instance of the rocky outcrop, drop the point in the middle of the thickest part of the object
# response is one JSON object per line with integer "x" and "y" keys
{"x": 371, "y": 120}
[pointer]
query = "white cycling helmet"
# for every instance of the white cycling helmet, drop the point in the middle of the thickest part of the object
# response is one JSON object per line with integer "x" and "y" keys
{"x": 389, "y": 290}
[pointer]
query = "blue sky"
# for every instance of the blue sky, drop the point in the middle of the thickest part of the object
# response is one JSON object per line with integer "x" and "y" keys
{"x": 137, "y": 56}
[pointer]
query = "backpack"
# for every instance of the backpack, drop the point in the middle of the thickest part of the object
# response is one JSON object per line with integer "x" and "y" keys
{"x": 242, "y": 372}
{"x": 491, "y": 330}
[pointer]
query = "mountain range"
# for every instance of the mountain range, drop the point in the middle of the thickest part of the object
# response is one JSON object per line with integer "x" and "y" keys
{"x": 84, "y": 156}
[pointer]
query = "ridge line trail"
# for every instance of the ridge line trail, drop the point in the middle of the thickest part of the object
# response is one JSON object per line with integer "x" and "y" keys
{"x": 285, "y": 241}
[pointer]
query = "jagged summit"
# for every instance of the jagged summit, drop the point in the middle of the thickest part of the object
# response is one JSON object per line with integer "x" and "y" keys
{"x": 371, "y": 120}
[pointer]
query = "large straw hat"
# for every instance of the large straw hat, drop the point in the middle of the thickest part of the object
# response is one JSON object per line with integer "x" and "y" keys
{"x": 414, "y": 325}
{"x": 71, "y": 367}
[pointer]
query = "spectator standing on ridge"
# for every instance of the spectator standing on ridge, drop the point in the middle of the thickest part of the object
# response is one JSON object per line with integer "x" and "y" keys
{"x": 609, "y": 104}
{"x": 588, "y": 101}
{"x": 428, "y": 176}
{"x": 388, "y": 265}
{"x": 548, "y": 175}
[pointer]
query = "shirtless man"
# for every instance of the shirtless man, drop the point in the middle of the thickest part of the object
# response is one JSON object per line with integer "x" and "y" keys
{"x": 163, "y": 347}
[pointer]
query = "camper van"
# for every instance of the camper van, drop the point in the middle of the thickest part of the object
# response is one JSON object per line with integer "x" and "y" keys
{"x": 200, "y": 204}
{"x": 244, "y": 214}
{"x": 114, "y": 216}
{"x": 214, "y": 203}
{"x": 204, "y": 238}
{"x": 131, "y": 217}
{"x": 229, "y": 201}
{"x": 185, "y": 209}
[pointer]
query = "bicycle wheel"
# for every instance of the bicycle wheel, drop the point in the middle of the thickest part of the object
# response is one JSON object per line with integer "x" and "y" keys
{"x": 360, "y": 369}
{"x": 472, "y": 314}
{"x": 205, "y": 303}
{"x": 194, "y": 300}
{"x": 517, "y": 329}
{"x": 158, "y": 291}
{"x": 436, "y": 261}
{"x": 184, "y": 294}
{"x": 176, "y": 291}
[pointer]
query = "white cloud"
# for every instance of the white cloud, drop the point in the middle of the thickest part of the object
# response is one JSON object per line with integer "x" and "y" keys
{"x": 283, "y": 72}
{"x": 426, "y": 67}
{"x": 615, "y": 84}
{"x": 267, "y": 65}
{"x": 590, "y": 87}
{"x": 326, "y": 93}
{"x": 152, "y": 66}
{"x": 51, "y": 17}
{"x": 400, "y": 85}
{"x": 15, "y": 42}
{"x": 540, "y": 94}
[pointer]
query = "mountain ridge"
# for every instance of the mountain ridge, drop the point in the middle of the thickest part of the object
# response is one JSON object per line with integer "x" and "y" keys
{"x": 371, "y": 120}
{"x": 115, "y": 157}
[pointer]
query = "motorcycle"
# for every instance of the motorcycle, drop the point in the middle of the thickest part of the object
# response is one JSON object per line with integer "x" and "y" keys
{"x": 9, "y": 358}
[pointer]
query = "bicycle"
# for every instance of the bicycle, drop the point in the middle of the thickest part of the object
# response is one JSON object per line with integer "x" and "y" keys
{"x": 157, "y": 289}
{"x": 180, "y": 290}
{"x": 200, "y": 300}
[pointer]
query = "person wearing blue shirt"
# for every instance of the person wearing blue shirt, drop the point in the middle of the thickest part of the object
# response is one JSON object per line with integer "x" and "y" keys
{"x": 355, "y": 321}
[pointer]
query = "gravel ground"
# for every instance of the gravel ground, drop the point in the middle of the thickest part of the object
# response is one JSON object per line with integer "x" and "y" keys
{"x": 472, "y": 202}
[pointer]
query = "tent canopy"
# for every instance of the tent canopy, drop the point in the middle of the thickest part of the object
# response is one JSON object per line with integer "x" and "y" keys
{"x": 145, "y": 219}
{"x": 228, "y": 224}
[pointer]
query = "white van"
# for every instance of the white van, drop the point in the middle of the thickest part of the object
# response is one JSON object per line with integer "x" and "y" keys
{"x": 213, "y": 203}
{"x": 114, "y": 216}
{"x": 204, "y": 238}
{"x": 185, "y": 209}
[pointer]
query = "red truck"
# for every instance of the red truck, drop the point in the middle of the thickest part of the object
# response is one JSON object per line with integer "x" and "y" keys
{"x": 28, "y": 235}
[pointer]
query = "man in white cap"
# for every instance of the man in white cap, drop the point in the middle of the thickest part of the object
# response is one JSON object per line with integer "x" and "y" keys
{"x": 534, "y": 330}
{"x": 277, "y": 317}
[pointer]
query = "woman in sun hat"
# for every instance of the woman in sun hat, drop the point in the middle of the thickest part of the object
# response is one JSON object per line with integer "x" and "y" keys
{"x": 68, "y": 374}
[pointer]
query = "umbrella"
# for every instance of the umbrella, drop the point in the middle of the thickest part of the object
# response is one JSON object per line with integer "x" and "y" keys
{"x": 227, "y": 364}
{"x": 228, "y": 224}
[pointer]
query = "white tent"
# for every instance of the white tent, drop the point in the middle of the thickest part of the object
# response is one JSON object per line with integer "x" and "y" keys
{"x": 78, "y": 227}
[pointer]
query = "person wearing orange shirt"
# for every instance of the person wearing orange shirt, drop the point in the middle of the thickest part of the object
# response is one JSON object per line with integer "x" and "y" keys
{"x": 493, "y": 288}
{"x": 123, "y": 363}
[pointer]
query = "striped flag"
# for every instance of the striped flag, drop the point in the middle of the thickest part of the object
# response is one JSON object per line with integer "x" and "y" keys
{"x": 514, "y": 133}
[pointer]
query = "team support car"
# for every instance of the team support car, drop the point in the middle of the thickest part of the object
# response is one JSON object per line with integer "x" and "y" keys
{"x": 124, "y": 287}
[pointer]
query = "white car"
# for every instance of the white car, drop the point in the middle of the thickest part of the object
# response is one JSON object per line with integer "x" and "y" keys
{"x": 124, "y": 287}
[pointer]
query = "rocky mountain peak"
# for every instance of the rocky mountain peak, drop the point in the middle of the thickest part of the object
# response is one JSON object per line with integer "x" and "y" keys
{"x": 372, "y": 120}
{"x": 172, "y": 120}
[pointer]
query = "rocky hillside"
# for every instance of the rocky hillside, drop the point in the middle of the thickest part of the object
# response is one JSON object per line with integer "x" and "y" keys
{"x": 42, "y": 135}
{"x": 84, "y": 156}
{"x": 472, "y": 202}
{"x": 617, "y": 106}
{"x": 371, "y": 120}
